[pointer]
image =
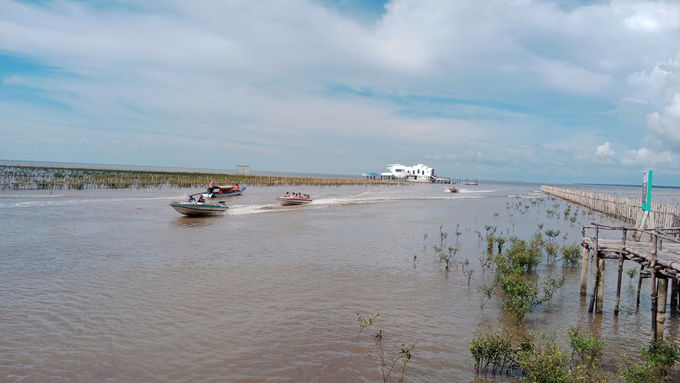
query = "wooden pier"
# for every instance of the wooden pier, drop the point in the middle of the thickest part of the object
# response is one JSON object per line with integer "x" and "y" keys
{"x": 659, "y": 259}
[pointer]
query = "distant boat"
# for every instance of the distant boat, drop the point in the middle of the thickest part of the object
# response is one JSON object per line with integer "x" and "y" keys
{"x": 220, "y": 192}
{"x": 453, "y": 189}
{"x": 472, "y": 183}
{"x": 290, "y": 201}
{"x": 199, "y": 208}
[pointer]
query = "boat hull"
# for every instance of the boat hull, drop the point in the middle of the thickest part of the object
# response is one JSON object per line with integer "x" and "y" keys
{"x": 198, "y": 209}
{"x": 287, "y": 201}
{"x": 453, "y": 189}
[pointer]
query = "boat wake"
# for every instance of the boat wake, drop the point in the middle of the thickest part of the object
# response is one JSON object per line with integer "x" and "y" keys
{"x": 335, "y": 200}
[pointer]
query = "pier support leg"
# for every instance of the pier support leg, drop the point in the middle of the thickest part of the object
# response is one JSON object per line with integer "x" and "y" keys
{"x": 618, "y": 287}
{"x": 654, "y": 296}
{"x": 674, "y": 294}
{"x": 596, "y": 274}
{"x": 584, "y": 271}
{"x": 600, "y": 285}
{"x": 662, "y": 299}
{"x": 639, "y": 285}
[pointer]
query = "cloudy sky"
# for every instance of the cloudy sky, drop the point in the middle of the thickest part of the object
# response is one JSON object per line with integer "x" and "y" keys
{"x": 527, "y": 90}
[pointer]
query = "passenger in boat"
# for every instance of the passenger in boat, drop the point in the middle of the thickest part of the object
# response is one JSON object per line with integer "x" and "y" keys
{"x": 192, "y": 199}
{"x": 287, "y": 194}
{"x": 201, "y": 199}
{"x": 211, "y": 187}
{"x": 237, "y": 188}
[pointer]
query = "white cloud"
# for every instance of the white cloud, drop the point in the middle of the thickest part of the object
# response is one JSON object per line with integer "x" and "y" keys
{"x": 648, "y": 16}
{"x": 647, "y": 157}
{"x": 14, "y": 80}
{"x": 605, "y": 150}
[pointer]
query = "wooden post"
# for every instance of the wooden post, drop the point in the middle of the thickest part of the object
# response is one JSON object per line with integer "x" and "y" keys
{"x": 596, "y": 272}
{"x": 674, "y": 294}
{"x": 618, "y": 283}
{"x": 600, "y": 285}
{"x": 584, "y": 270}
{"x": 639, "y": 285}
{"x": 661, "y": 293}
{"x": 652, "y": 268}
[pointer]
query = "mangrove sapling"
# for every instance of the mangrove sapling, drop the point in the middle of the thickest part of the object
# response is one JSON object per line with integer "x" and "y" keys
{"x": 364, "y": 323}
{"x": 479, "y": 234}
{"x": 469, "y": 273}
{"x": 550, "y": 285}
{"x": 458, "y": 233}
{"x": 662, "y": 355}
{"x": 493, "y": 349}
{"x": 551, "y": 252}
{"x": 404, "y": 356}
{"x": 571, "y": 255}
{"x": 500, "y": 241}
{"x": 448, "y": 257}
{"x": 585, "y": 346}
{"x": 551, "y": 234}
{"x": 486, "y": 292}
{"x": 638, "y": 373}
{"x": 442, "y": 236}
{"x": 632, "y": 272}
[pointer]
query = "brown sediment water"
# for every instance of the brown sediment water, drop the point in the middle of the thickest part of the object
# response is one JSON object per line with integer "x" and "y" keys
{"x": 115, "y": 285}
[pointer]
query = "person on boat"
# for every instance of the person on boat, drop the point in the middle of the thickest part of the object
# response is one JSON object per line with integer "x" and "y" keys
{"x": 237, "y": 188}
{"x": 201, "y": 199}
{"x": 211, "y": 186}
{"x": 192, "y": 199}
{"x": 287, "y": 194}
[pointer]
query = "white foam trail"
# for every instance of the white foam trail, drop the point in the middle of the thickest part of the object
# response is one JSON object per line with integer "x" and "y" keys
{"x": 476, "y": 191}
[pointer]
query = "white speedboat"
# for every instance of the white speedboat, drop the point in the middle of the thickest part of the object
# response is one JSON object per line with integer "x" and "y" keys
{"x": 453, "y": 189}
{"x": 199, "y": 208}
{"x": 220, "y": 192}
{"x": 290, "y": 201}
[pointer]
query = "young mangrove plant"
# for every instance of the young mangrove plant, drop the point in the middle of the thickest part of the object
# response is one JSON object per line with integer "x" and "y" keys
{"x": 632, "y": 272}
{"x": 468, "y": 273}
{"x": 458, "y": 233}
{"x": 571, "y": 255}
{"x": 551, "y": 251}
{"x": 364, "y": 323}
{"x": 486, "y": 292}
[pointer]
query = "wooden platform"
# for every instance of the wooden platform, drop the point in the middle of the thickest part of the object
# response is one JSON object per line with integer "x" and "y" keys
{"x": 668, "y": 256}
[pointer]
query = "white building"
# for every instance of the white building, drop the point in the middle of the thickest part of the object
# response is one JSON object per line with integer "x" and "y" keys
{"x": 417, "y": 173}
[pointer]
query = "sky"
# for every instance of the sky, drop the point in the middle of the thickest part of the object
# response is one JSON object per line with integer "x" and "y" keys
{"x": 518, "y": 90}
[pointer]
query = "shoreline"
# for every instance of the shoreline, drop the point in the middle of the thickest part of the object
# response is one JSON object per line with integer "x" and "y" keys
{"x": 17, "y": 177}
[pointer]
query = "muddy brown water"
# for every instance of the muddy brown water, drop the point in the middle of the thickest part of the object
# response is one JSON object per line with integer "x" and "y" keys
{"x": 114, "y": 285}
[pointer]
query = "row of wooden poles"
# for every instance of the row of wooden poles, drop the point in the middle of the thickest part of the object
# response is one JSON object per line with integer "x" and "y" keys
{"x": 627, "y": 209}
{"x": 122, "y": 179}
{"x": 660, "y": 274}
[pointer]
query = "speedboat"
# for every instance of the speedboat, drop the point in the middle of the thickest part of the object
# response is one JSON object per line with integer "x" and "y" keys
{"x": 199, "y": 208}
{"x": 290, "y": 201}
{"x": 220, "y": 192}
{"x": 453, "y": 189}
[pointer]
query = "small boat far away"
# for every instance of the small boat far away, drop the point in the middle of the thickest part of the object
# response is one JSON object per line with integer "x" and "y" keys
{"x": 291, "y": 201}
{"x": 453, "y": 189}
{"x": 199, "y": 208}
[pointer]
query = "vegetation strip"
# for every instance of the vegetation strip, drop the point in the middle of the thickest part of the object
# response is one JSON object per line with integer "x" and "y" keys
{"x": 57, "y": 178}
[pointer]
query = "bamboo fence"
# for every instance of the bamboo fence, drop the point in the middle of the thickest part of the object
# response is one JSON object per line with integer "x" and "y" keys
{"x": 628, "y": 209}
{"x": 38, "y": 178}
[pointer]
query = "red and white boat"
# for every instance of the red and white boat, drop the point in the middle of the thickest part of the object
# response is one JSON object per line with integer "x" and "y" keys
{"x": 291, "y": 201}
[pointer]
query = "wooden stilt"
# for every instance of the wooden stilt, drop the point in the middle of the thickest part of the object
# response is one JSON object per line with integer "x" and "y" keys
{"x": 597, "y": 273}
{"x": 654, "y": 297}
{"x": 584, "y": 271}
{"x": 661, "y": 293}
{"x": 600, "y": 285}
{"x": 674, "y": 294}
{"x": 639, "y": 285}
{"x": 618, "y": 282}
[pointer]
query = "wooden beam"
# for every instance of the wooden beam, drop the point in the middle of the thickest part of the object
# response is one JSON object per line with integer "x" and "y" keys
{"x": 654, "y": 291}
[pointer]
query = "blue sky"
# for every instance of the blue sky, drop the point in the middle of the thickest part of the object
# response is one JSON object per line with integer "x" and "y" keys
{"x": 545, "y": 91}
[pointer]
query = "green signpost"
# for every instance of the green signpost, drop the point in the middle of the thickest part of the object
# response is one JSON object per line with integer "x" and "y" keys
{"x": 647, "y": 191}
